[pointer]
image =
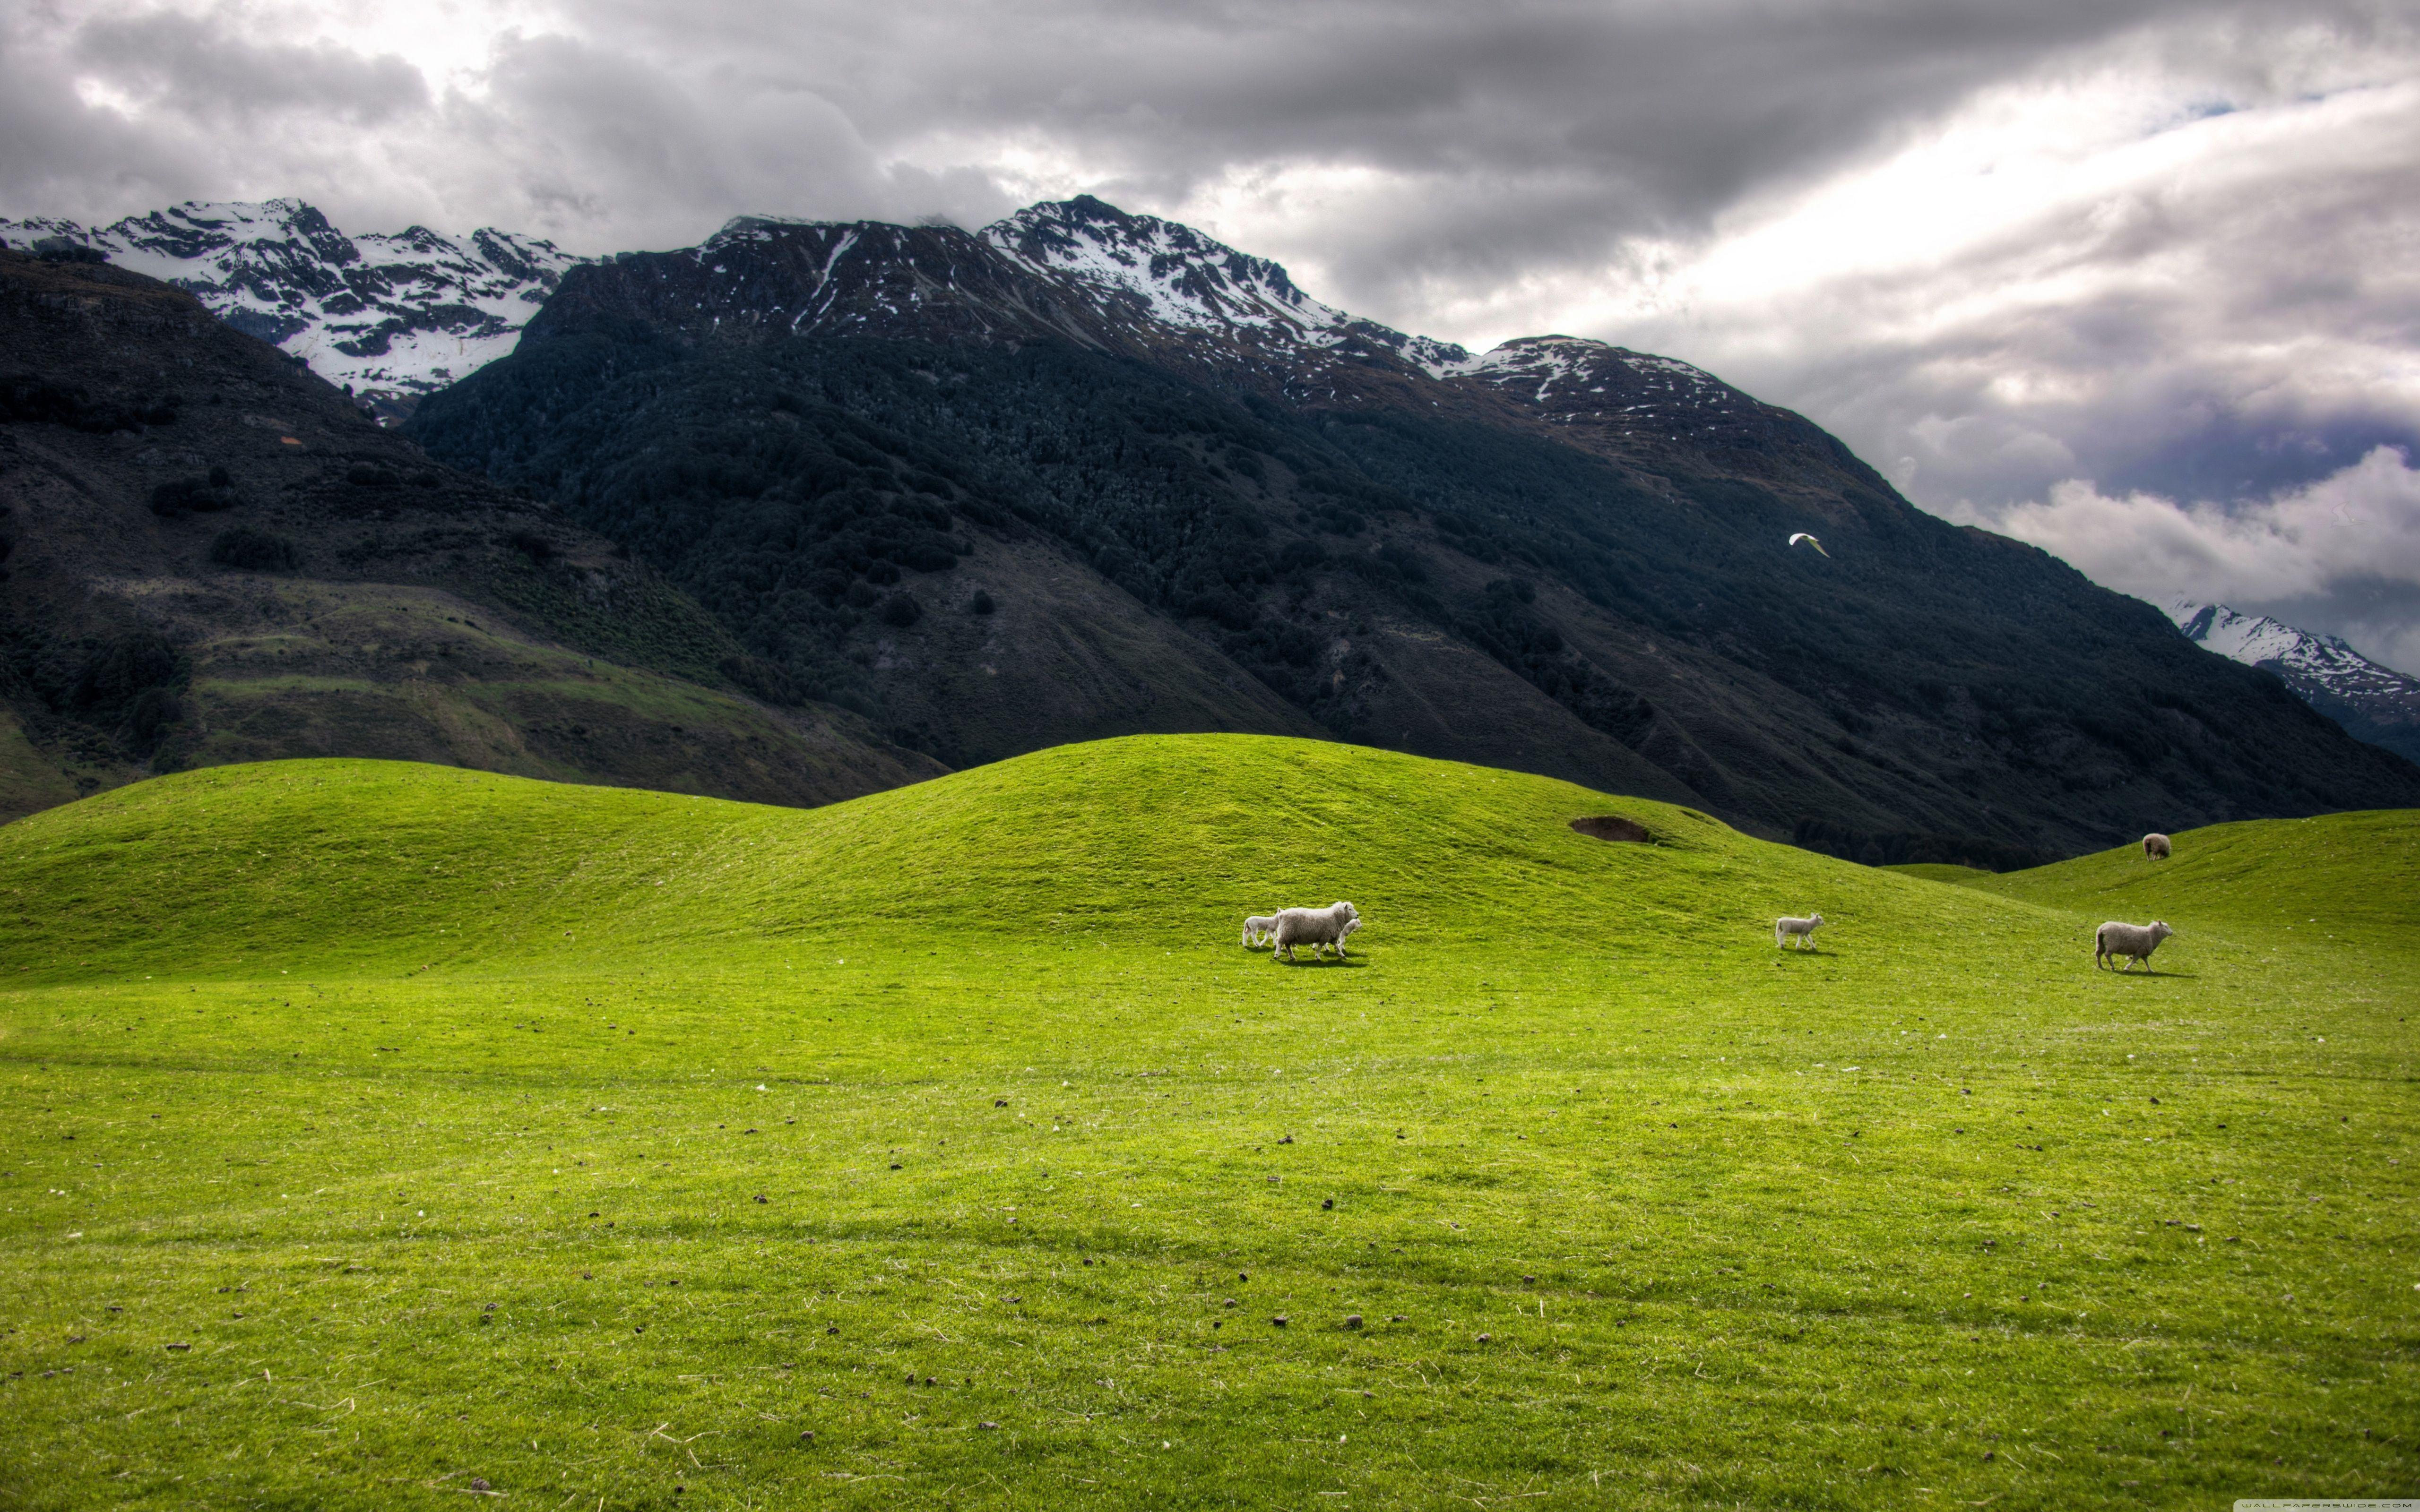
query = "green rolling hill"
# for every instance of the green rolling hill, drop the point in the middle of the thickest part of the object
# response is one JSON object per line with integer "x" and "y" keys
{"x": 381, "y": 1127}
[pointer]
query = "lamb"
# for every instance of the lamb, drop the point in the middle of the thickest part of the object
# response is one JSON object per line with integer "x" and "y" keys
{"x": 1802, "y": 928}
{"x": 1258, "y": 927}
{"x": 2133, "y": 941}
{"x": 1341, "y": 935}
{"x": 2155, "y": 847}
{"x": 1313, "y": 927}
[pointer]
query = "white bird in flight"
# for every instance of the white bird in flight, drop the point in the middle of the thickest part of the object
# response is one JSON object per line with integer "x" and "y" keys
{"x": 1802, "y": 536}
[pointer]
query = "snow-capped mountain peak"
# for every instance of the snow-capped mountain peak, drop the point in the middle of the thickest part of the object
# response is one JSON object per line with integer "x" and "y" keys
{"x": 2374, "y": 703}
{"x": 2255, "y": 639}
{"x": 1176, "y": 277}
{"x": 1184, "y": 278}
{"x": 394, "y": 315}
{"x": 1569, "y": 366}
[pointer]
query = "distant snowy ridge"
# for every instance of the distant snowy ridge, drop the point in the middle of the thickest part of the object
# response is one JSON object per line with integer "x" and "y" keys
{"x": 1184, "y": 280}
{"x": 398, "y": 317}
{"x": 393, "y": 316}
{"x": 2258, "y": 641}
{"x": 2373, "y": 703}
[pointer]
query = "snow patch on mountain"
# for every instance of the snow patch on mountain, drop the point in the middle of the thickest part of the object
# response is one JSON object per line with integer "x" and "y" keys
{"x": 1181, "y": 277}
{"x": 400, "y": 316}
{"x": 1174, "y": 276}
{"x": 394, "y": 315}
{"x": 2373, "y": 703}
{"x": 2257, "y": 641}
{"x": 1570, "y": 366}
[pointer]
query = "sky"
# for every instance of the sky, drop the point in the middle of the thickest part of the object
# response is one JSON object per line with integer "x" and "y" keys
{"x": 2138, "y": 282}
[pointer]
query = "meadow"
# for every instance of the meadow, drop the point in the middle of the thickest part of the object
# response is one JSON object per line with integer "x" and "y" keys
{"x": 379, "y": 1133}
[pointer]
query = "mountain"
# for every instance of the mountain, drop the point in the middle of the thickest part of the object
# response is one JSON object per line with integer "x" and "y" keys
{"x": 389, "y": 316}
{"x": 994, "y": 489}
{"x": 208, "y": 555}
{"x": 2373, "y": 703}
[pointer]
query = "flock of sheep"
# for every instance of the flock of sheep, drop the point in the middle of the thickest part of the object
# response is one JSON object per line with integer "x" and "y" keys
{"x": 1320, "y": 928}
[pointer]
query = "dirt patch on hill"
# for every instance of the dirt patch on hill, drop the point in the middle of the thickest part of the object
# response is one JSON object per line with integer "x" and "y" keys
{"x": 1614, "y": 827}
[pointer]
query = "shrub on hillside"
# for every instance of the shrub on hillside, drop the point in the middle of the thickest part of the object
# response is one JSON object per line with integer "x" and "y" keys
{"x": 27, "y": 397}
{"x": 902, "y": 609}
{"x": 766, "y": 680}
{"x": 180, "y": 497}
{"x": 252, "y": 551}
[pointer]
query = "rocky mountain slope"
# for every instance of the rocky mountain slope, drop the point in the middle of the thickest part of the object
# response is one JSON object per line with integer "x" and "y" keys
{"x": 2373, "y": 703}
{"x": 922, "y": 468}
{"x": 390, "y": 318}
{"x": 208, "y": 554}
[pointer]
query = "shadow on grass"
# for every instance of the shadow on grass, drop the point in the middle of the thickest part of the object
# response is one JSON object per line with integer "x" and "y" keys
{"x": 1314, "y": 960}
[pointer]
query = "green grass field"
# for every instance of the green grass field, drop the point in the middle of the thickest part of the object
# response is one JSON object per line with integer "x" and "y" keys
{"x": 377, "y": 1130}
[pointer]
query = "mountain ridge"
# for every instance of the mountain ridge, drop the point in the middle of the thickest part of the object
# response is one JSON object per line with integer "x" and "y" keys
{"x": 387, "y": 317}
{"x": 1560, "y": 556}
{"x": 2373, "y": 701}
{"x": 1082, "y": 473}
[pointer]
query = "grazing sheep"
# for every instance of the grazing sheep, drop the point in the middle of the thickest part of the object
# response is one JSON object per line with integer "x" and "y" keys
{"x": 2155, "y": 847}
{"x": 1802, "y": 928}
{"x": 2133, "y": 941}
{"x": 1313, "y": 927}
{"x": 1341, "y": 935}
{"x": 1259, "y": 927}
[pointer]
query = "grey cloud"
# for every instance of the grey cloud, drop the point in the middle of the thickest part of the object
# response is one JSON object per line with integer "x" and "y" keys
{"x": 59, "y": 157}
{"x": 2340, "y": 554}
{"x": 1573, "y": 123}
{"x": 649, "y": 156}
{"x": 187, "y": 65}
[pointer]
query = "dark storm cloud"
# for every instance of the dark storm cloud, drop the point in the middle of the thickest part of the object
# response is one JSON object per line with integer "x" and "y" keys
{"x": 1522, "y": 131}
{"x": 2179, "y": 337}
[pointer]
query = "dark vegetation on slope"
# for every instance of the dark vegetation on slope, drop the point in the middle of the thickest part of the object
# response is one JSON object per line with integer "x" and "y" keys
{"x": 1462, "y": 583}
{"x": 208, "y": 554}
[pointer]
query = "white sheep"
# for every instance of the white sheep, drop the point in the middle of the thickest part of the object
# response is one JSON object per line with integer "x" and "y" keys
{"x": 1313, "y": 927}
{"x": 1259, "y": 927}
{"x": 1802, "y": 928}
{"x": 2155, "y": 847}
{"x": 2133, "y": 941}
{"x": 1341, "y": 935}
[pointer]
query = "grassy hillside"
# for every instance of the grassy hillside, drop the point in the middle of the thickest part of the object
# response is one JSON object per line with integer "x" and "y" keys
{"x": 2343, "y": 876}
{"x": 600, "y": 1144}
